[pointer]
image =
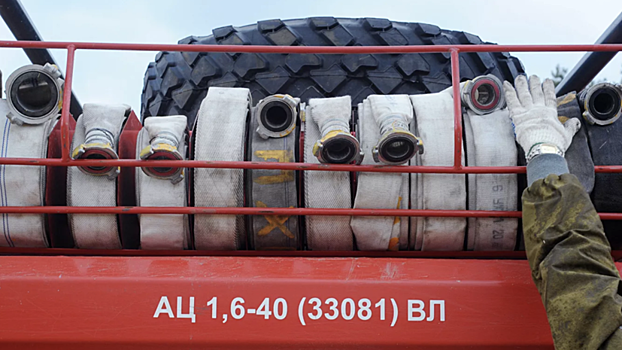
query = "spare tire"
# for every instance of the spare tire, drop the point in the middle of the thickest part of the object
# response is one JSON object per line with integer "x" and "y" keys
{"x": 177, "y": 82}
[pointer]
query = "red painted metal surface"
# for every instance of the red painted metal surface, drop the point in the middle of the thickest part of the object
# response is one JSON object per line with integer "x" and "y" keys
{"x": 97, "y": 302}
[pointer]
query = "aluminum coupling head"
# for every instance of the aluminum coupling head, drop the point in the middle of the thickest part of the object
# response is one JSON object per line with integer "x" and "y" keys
{"x": 276, "y": 116}
{"x": 483, "y": 95}
{"x": 162, "y": 151}
{"x": 97, "y": 151}
{"x": 397, "y": 147}
{"x": 34, "y": 94}
{"x": 338, "y": 147}
{"x": 602, "y": 103}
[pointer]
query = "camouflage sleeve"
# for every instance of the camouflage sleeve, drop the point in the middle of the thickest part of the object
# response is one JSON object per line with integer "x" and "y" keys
{"x": 571, "y": 264}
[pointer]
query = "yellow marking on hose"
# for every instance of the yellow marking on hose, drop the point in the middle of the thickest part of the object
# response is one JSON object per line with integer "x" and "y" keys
{"x": 274, "y": 221}
{"x": 562, "y": 119}
{"x": 394, "y": 244}
{"x": 567, "y": 98}
{"x": 281, "y": 156}
{"x": 397, "y": 218}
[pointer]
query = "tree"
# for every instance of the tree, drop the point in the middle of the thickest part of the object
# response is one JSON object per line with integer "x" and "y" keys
{"x": 558, "y": 74}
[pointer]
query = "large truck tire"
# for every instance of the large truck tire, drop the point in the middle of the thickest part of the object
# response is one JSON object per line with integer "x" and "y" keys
{"x": 177, "y": 82}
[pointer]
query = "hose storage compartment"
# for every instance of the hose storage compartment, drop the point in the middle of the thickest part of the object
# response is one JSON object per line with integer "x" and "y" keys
{"x": 273, "y": 138}
{"x": 379, "y": 190}
{"x": 220, "y": 134}
{"x": 22, "y": 185}
{"x": 96, "y": 137}
{"x": 434, "y": 124}
{"x": 601, "y": 109}
{"x": 325, "y": 189}
{"x": 162, "y": 138}
{"x": 489, "y": 141}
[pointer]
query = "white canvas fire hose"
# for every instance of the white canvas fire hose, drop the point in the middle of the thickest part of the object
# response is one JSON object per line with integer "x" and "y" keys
{"x": 220, "y": 133}
{"x": 380, "y": 190}
{"x": 34, "y": 95}
{"x": 273, "y": 139}
{"x": 326, "y": 189}
{"x": 434, "y": 125}
{"x": 489, "y": 140}
{"x": 162, "y": 138}
{"x": 96, "y": 137}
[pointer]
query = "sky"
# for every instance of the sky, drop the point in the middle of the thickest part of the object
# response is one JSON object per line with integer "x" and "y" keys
{"x": 117, "y": 77}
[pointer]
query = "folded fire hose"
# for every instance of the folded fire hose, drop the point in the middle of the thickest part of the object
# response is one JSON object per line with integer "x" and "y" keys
{"x": 34, "y": 95}
{"x": 434, "y": 119}
{"x": 382, "y": 190}
{"x": 162, "y": 138}
{"x": 328, "y": 189}
{"x": 96, "y": 137}
{"x": 489, "y": 141}
{"x": 273, "y": 137}
{"x": 220, "y": 134}
{"x": 601, "y": 105}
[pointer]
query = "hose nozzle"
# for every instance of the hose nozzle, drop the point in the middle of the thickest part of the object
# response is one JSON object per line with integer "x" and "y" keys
{"x": 97, "y": 146}
{"x": 483, "y": 95}
{"x": 601, "y": 103}
{"x": 276, "y": 116}
{"x": 34, "y": 94}
{"x": 338, "y": 147}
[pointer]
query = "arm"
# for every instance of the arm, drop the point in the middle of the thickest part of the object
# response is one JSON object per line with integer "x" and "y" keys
{"x": 568, "y": 252}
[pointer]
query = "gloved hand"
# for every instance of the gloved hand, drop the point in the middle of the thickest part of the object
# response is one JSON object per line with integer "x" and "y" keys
{"x": 533, "y": 111}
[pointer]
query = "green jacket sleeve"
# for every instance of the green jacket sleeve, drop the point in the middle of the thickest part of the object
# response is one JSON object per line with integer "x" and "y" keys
{"x": 571, "y": 264}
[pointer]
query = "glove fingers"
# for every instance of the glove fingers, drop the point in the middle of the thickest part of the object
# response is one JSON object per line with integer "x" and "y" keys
{"x": 548, "y": 87}
{"x": 571, "y": 126}
{"x": 535, "y": 87}
{"x": 511, "y": 99}
{"x": 522, "y": 90}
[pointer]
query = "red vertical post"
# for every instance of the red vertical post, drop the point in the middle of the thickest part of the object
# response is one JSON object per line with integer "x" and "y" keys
{"x": 64, "y": 118}
{"x": 455, "y": 81}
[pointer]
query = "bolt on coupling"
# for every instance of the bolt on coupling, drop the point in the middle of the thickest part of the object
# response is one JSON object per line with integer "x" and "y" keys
{"x": 397, "y": 144}
{"x": 97, "y": 146}
{"x": 34, "y": 94}
{"x": 165, "y": 135}
{"x": 338, "y": 147}
{"x": 483, "y": 95}
{"x": 601, "y": 103}
{"x": 276, "y": 116}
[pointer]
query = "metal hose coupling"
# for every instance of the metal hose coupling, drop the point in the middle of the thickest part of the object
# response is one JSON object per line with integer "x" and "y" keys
{"x": 34, "y": 94}
{"x": 483, "y": 95}
{"x": 98, "y": 145}
{"x": 393, "y": 114}
{"x": 276, "y": 116}
{"x": 165, "y": 141}
{"x": 601, "y": 103}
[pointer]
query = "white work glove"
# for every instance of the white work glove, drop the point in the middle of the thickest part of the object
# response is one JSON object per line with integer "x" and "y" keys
{"x": 533, "y": 111}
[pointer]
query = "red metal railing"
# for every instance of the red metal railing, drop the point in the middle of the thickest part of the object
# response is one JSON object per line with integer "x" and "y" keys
{"x": 457, "y": 168}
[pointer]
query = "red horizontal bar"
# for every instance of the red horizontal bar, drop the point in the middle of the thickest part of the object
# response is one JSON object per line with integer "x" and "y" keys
{"x": 275, "y": 211}
{"x": 264, "y": 165}
{"x": 468, "y": 254}
{"x": 309, "y": 49}
{"x": 260, "y": 211}
{"x": 286, "y": 166}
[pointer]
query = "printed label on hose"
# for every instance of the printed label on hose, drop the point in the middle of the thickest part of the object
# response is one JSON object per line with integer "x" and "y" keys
{"x": 304, "y": 311}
